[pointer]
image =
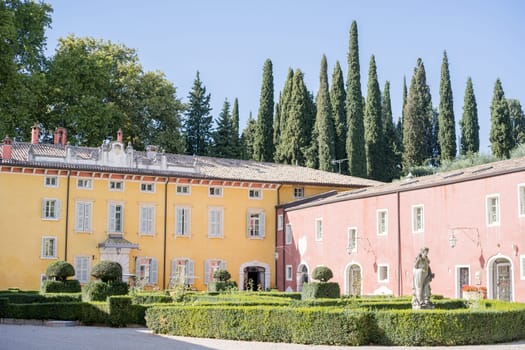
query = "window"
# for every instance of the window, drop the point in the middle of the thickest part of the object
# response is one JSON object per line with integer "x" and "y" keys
{"x": 147, "y": 219}
{"x": 289, "y": 272}
{"x": 382, "y": 273}
{"x": 288, "y": 234}
{"x": 49, "y": 247}
{"x": 182, "y": 218}
{"x": 255, "y": 194}
{"x": 382, "y": 222}
{"x": 116, "y": 218}
{"x": 280, "y": 221}
{"x": 85, "y": 184}
{"x": 215, "y": 222}
{"x": 51, "y": 181}
{"x": 521, "y": 200}
{"x": 147, "y": 187}
{"x": 50, "y": 209}
{"x": 215, "y": 191}
{"x": 298, "y": 192}
{"x": 83, "y": 214}
{"x": 183, "y": 189}
{"x": 146, "y": 270}
{"x": 82, "y": 268}
{"x": 256, "y": 224}
{"x": 522, "y": 267}
{"x": 116, "y": 186}
{"x": 182, "y": 272}
{"x": 493, "y": 210}
{"x": 418, "y": 219}
{"x": 351, "y": 245}
{"x": 318, "y": 229}
{"x": 210, "y": 266}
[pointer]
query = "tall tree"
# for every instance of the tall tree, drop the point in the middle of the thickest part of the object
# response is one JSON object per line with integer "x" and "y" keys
{"x": 248, "y": 138}
{"x": 284, "y": 104}
{"x": 391, "y": 153}
{"x": 517, "y": 120}
{"x": 373, "y": 126}
{"x": 338, "y": 99}
{"x": 223, "y": 134}
{"x": 355, "y": 145}
{"x": 264, "y": 147}
{"x": 277, "y": 125}
{"x": 198, "y": 120}
{"x": 447, "y": 123}
{"x": 405, "y": 96}
{"x": 500, "y": 126}
{"x": 469, "y": 123}
{"x": 235, "y": 130}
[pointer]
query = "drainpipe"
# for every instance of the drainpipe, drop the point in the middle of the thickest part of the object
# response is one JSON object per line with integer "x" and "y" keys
{"x": 399, "y": 271}
{"x": 165, "y": 233}
{"x": 276, "y": 242}
{"x": 67, "y": 214}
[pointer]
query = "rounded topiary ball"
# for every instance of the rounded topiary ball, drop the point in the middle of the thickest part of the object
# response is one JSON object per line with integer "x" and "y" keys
{"x": 60, "y": 270}
{"x": 221, "y": 275}
{"x": 322, "y": 273}
{"x": 107, "y": 271}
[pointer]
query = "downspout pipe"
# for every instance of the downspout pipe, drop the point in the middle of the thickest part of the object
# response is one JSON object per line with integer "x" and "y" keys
{"x": 165, "y": 233}
{"x": 67, "y": 215}
{"x": 399, "y": 271}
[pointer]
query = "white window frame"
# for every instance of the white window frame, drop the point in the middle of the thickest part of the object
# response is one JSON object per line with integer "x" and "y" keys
{"x": 84, "y": 216}
{"x": 521, "y": 200}
{"x": 457, "y": 286}
{"x": 215, "y": 222}
{"x": 215, "y": 191}
{"x": 182, "y": 221}
{"x": 298, "y": 192}
{"x": 116, "y": 186}
{"x": 522, "y": 267}
{"x": 147, "y": 219}
{"x": 288, "y": 234}
{"x": 183, "y": 190}
{"x": 255, "y": 193}
{"x": 51, "y": 181}
{"x": 112, "y": 218}
{"x": 382, "y": 222}
{"x": 256, "y": 223}
{"x": 491, "y": 222}
{"x": 351, "y": 242}
{"x": 319, "y": 229}
{"x": 147, "y": 187}
{"x": 280, "y": 222}
{"x": 210, "y": 266}
{"x": 418, "y": 221}
{"x": 82, "y": 268}
{"x": 383, "y": 267}
{"x": 84, "y": 183}
{"x": 50, "y": 211}
{"x": 189, "y": 271}
{"x": 289, "y": 272}
{"x": 45, "y": 252}
{"x": 147, "y": 270}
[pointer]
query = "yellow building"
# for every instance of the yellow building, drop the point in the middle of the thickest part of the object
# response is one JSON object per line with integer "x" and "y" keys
{"x": 161, "y": 216}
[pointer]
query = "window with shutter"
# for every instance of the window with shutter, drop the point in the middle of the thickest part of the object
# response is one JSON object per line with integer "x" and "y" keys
{"x": 83, "y": 216}
{"x": 147, "y": 220}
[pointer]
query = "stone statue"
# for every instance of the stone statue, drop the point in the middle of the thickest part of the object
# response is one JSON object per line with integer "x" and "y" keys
{"x": 421, "y": 281}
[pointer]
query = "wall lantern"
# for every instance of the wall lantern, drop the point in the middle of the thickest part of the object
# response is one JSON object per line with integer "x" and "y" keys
{"x": 452, "y": 240}
{"x": 469, "y": 232}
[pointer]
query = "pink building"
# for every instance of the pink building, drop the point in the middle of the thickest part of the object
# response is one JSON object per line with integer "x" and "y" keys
{"x": 472, "y": 220}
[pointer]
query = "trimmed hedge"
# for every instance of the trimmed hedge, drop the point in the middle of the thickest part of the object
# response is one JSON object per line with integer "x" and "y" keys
{"x": 150, "y": 298}
{"x": 68, "y": 286}
{"x": 45, "y": 311}
{"x": 100, "y": 291}
{"x": 35, "y": 297}
{"x": 221, "y": 286}
{"x": 321, "y": 290}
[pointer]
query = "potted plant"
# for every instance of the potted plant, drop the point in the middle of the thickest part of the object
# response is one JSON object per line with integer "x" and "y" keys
{"x": 474, "y": 292}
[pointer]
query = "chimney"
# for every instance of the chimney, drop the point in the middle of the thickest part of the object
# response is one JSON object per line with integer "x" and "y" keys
{"x": 35, "y": 133}
{"x": 119, "y": 135}
{"x": 7, "y": 148}
{"x": 60, "y": 136}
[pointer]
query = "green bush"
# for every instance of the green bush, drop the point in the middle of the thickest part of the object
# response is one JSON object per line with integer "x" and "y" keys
{"x": 320, "y": 290}
{"x": 221, "y": 286}
{"x": 107, "y": 271}
{"x": 60, "y": 270}
{"x": 34, "y": 297}
{"x": 221, "y": 275}
{"x": 99, "y": 291}
{"x": 3, "y": 307}
{"x": 68, "y": 286}
{"x": 46, "y": 311}
{"x": 150, "y": 298}
{"x": 322, "y": 273}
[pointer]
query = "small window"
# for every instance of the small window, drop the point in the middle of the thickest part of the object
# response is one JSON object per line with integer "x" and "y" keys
{"x": 82, "y": 268}
{"x": 182, "y": 272}
{"x": 351, "y": 245}
{"x": 83, "y": 216}
{"x": 210, "y": 266}
{"x": 49, "y": 247}
{"x": 147, "y": 187}
{"x": 255, "y": 194}
{"x": 418, "y": 219}
{"x": 116, "y": 186}
{"x": 493, "y": 210}
{"x": 182, "y": 224}
{"x": 318, "y": 229}
{"x": 146, "y": 270}
{"x": 215, "y": 191}
{"x": 521, "y": 200}
{"x": 288, "y": 234}
{"x": 382, "y": 222}
{"x": 298, "y": 192}
{"x": 51, "y": 181}
{"x": 116, "y": 218}
{"x": 382, "y": 273}
{"x": 215, "y": 222}
{"x": 183, "y": 189}
{"x": 50, "y": 209}
{"x": 522, "y": 267}
{"x": 289, "y": 272}
{"x": 84, "y": 184}
{"x": 256, "y": 225}
{"x": 147, "y": 220}
{"x": 280, "y": 221}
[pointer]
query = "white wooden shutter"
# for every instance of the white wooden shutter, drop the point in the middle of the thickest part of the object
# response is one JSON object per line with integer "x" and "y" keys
{"x": 153, "y": 277}
{"x": 190, "y": 271}
{"x": 262, "y": 225}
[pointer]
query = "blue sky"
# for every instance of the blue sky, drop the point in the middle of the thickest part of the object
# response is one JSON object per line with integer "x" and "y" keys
{"x": 228, "y": 42}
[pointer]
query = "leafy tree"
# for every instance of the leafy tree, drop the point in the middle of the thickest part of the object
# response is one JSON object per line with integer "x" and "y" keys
{"x": 338, "y": 99}
{"x": 373, "y": 127}
{"x": 500, "y": 129}
{"x": 277, "y": 125}
{"x": 517, "y": 120}
{"x": 469, "y": 123}
{"x": 355, "y": 143}
{"x": 221, "y": 275}
{"x": 197, "y": 124}
{"x": 223, "y": 135}
{"x": 279, "y": 129}
{"x": 248, "y": 138}
{"x": 392, "y": 153}
{"x": 264, "y": 147}
{"x": 447, "y": 123}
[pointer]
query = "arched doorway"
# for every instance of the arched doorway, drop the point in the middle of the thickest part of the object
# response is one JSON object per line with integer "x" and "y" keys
{"x": 302, "y": 276}
{"x": 353, "y": 280}
{"x": 254, "y": 276}
{"x": 500, "y": 279}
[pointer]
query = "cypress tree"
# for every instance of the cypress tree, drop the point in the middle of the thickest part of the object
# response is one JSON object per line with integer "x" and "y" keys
{"x": 235, "y": 129}
{"x": 284, "y": 105}
{"x": 264, "y": 147}
{"x": 405, "y": 95}
{"x": 392, "y": 154}
{"x": 447, "y": 124}
{"x": 277, "y": 124}
{"x": 355, "y": 143}
{"x": 248, "y": 138}
{"x": 223, "y": 135}
{"x": 373, "y": 126}
{"x": 500, "y": 126}
{"x": 469, "y": 123}
{"x": 338, "y": 98}
{"x": 517, "y": 120}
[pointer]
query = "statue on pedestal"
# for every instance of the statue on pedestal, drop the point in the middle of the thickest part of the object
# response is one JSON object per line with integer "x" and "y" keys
{"x": 421, "y": 281}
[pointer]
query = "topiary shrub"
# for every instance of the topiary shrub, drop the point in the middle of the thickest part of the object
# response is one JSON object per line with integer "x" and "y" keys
{"x": 100, "y": 291}
{"x": 320, "y": 290}
{"x": 107, "y": 271}
{"x": 222, "y": 275}
{"x": 322, "y": 273}
{"x": 69, "y": 286}
{"x": 60, "y": 270}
